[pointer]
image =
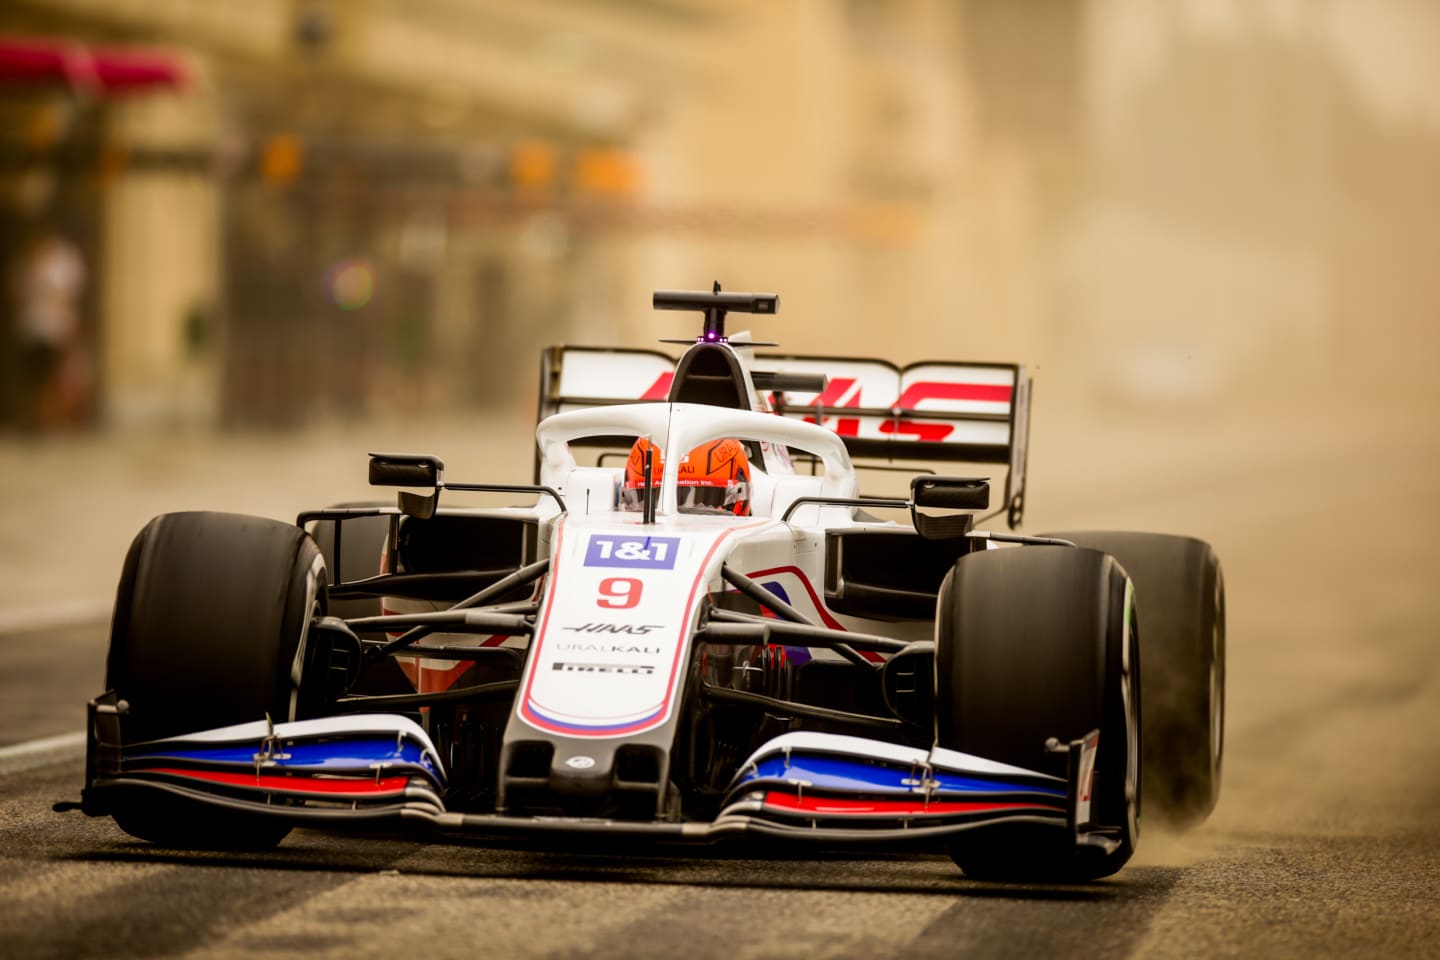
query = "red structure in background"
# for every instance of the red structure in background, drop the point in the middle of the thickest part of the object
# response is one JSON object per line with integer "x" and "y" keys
{"x": 56, "y": 93}
{"x": 96, "y": 70}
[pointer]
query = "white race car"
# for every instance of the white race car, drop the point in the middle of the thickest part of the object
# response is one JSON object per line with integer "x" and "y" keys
{"x": 705, "y": 631}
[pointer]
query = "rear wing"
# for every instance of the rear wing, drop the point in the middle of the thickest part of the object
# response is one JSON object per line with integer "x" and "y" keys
{"x": 926, "y": 412}
{"x": 572, "y": 378}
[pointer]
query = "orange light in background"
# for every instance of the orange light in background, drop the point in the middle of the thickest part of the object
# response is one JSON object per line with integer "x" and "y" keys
{"x": 606, "y": 171}
{"x": 281, "y": 159}
{"x": 532, "y": 165}
{"x": 47, "y": 126}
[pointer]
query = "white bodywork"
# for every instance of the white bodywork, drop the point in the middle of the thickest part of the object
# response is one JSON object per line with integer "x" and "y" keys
{"x": 623, "y": 598}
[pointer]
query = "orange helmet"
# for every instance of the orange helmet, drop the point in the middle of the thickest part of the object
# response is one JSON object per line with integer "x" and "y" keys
{"x": 635, "y": 465}
{"x": 714, "y": 477}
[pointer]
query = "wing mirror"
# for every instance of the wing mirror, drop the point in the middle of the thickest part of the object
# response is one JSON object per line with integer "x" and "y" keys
{"x": 410, "y": 470}
{"x": 405, "y": 470}
{"x": 947, "y": 493}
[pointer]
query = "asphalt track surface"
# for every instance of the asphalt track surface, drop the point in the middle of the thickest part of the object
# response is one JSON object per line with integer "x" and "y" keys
{"x": 1326, "y": 842}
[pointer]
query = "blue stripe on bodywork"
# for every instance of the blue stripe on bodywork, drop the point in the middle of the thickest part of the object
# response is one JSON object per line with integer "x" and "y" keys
{"x": 837, "y": 773}
{"x": 796, "y": 655}
{"x": 587, "y": 729}
{"x": 331, "y": 756}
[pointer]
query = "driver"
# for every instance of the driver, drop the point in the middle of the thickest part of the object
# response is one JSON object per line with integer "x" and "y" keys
{"x": 714, "y": 477}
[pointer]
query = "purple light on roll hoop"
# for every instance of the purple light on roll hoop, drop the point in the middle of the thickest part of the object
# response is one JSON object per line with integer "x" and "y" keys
{"x": 712, "y": 336}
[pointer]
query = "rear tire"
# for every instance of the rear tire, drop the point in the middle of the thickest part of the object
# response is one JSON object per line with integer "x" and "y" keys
{"x": 1034, "y": 643}
{"x": 1180, "y": 598}
{"x": 211, "y": 616}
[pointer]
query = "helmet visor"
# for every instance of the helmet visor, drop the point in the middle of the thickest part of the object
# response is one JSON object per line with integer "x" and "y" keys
{"x": 693, "y": 498}
{"x": 705, "y": 498}
{"x": 632, "y": 499}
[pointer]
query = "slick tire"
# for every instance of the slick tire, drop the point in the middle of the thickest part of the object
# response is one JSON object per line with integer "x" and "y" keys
{"x": 211, "y": 616}
{"x": 1180, "y": 599}
{"x": 1034, "y": 643}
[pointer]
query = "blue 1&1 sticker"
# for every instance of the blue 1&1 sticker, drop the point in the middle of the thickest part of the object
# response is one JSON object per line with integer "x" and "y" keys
{"x": 648, "y": 553}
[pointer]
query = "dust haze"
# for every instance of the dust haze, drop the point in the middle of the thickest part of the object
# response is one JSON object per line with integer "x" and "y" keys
{"x": 1208, "y": 227}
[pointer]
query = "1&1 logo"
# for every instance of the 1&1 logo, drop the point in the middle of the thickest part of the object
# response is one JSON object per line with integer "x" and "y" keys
{"x": 648, "y": 553}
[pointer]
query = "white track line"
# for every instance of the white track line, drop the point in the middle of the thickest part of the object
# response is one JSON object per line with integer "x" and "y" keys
{"x": 31, "y": 754}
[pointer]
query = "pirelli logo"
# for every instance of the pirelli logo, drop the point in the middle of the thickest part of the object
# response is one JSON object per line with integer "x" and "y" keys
{"x": 570, "y": 666}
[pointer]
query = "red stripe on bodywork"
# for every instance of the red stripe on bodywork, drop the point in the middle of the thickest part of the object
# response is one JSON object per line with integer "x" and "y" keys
{"x": 552, "y": 581}
{"x": 825, "y": 616}
{"x": 891, "y": 808}
{"x": 799, "y": 574}
{"x": 264, "y": 781}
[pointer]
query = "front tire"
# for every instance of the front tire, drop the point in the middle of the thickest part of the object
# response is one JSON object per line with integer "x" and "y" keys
{"x": 1034, "y": 643}
{"x": 211, "y": 616}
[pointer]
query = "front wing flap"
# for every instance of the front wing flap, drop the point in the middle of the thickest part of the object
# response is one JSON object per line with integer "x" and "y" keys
{"x": 808, "y": 779}
{"x": 365, "y": 766}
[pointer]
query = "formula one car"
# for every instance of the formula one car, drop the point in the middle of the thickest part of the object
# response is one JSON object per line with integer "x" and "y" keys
{"x": 706, "y": 631}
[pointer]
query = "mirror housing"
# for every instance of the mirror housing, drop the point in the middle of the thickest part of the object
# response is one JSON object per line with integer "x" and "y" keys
{"x": 410, "y": 470}
{"x": 406, "y": 470}
{"x": 949, "y": 493}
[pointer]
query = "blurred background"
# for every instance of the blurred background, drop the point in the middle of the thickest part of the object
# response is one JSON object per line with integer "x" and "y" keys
{"x": 242, "y": 242}
{"x": 281, "y": 213}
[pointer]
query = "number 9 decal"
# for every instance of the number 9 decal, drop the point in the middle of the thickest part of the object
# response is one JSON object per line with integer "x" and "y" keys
{"x": 619, "y": 593}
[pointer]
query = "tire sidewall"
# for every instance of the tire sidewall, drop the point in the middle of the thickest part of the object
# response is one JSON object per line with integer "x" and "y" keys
{"x": 989, "y": 686}
{"x": 186, "y": 658}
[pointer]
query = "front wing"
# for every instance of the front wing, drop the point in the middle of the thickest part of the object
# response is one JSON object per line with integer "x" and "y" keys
{"x": 380, "y": 770}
